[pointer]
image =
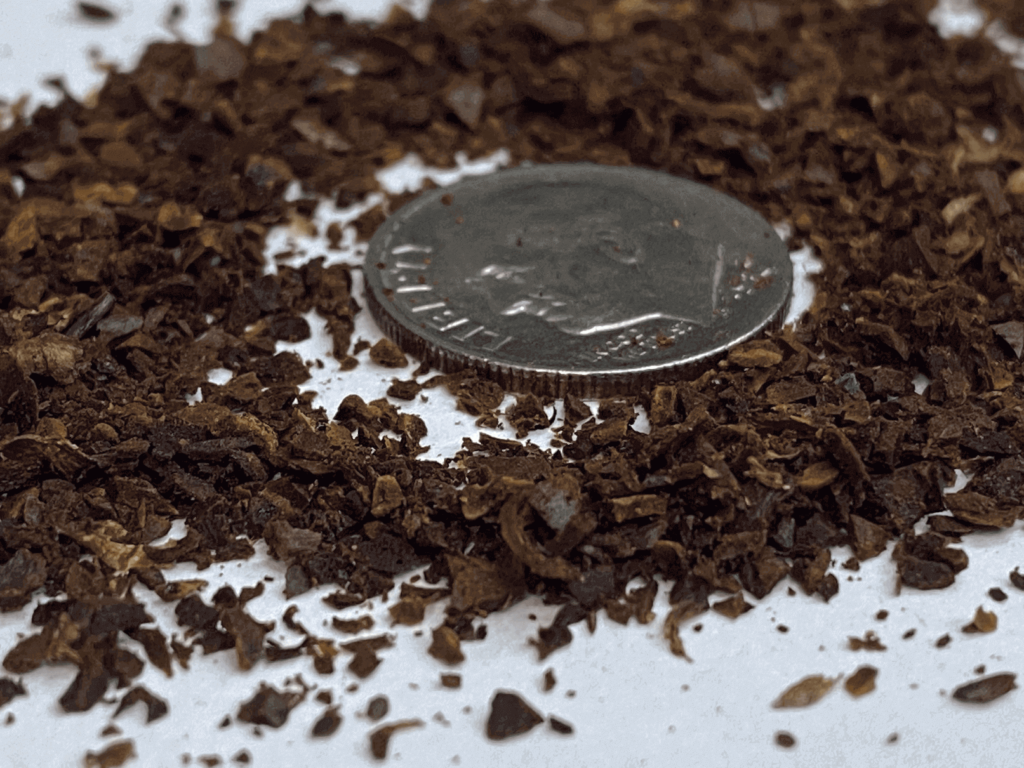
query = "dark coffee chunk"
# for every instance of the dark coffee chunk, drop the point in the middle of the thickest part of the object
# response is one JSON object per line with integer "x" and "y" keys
{"x": 269, "y": 707}
{"x": 155, "y": 706}
{"x": 445, "y": 646}
{"x": 560, "y": 726}
{"x": 449, "y": 680}
{"x": 785, "y": 739}
{"x": 95, "y": 12}
{"x": 9, "y": 689}
{"x": 328, "y": 723}
{"x": 113, "y": 755}
{"x": 986, "y": 689}
{"x": 380, "y": 738}
{"x": 1017, "y": 578}
{"x": 862, "y": 681}
{"x": 377, "y": 708}
{"x": 549, "y": 680}
{"x": 510, "y": 716}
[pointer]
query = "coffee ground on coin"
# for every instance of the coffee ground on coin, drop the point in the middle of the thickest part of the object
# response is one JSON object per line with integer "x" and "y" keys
{"x": 131, "y": 264}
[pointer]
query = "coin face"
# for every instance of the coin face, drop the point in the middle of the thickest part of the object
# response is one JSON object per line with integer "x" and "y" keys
{"x": 576, "y": 277}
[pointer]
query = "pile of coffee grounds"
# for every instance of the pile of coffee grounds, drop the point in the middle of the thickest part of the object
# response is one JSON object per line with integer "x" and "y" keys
{"x": 132, "y": 263}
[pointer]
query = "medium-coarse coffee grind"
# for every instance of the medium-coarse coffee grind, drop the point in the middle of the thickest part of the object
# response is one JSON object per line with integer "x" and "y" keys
{"x": 132, "y": 263}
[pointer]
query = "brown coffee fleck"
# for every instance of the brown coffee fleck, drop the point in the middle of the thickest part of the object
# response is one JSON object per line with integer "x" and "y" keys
{"x": 984, "y": 621}
{"x": 862, "y": 681}
{"x": 785, "y": 739}
{"x": 510, "y": 716}
{"x": 807, "y": 691}
{"x": 986, "y": 689}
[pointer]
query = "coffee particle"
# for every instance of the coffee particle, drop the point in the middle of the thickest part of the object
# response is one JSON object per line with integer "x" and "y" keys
{"x": 381, "y": 737}
{"x": 510, "y": 716}
{"x": 328, "y": 723}
{"x": 560, "y": 726}
{"x": 377, "y": 708}
{"x": 861, "y": 681}
{"x": 986, "y": 689}
{"x": 785, "y": 739}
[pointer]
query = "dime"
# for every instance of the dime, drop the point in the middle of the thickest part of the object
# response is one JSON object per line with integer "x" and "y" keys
{"x": 576, "y": 277}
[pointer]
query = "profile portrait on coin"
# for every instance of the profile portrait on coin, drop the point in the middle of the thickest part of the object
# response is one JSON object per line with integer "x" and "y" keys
{"x": 598, "y": 272}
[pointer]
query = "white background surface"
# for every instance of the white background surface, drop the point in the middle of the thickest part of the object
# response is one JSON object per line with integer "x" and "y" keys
{"x": 635, "y": 703}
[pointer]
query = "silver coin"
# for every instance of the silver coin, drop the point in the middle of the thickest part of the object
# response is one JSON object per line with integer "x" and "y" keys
{"x": 576, "y": 277}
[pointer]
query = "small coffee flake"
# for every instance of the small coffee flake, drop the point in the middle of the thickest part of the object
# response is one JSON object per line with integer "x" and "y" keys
{"x": 451, "y": 681}
{"x": 560, "y": 726}
{"x": 380, "y": 738}
{"x": 862, "y": 681}
{"x": 805, "y": 692}
{"x": 510, "y": 716}
{"x": 785, "y": 740}
{"x": 869, "y": 642}
{"x": 984, "y": 621}
{"x": 327, "y": 724}
{"x": 986, "y": 689}
{"x": 446, "y": 646}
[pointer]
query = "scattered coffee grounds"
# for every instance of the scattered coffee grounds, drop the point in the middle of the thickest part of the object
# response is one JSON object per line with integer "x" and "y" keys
{"x": 862, "y": 681}
{"x": 210, "y": 761}
{"x": 986, "y": 689}
{"x": 377, "y": 708}
{"x": 909, "y": 633}
{"x": 785, "y": 739}
{"x": 984, "y": 621}
{"x": 882, "y": 615}
{"x": 997, "y": 594}
{"x": 131, "y": 264}
{"x": 328, "y": 723}
{"x": 805, "y": 692}
{"x": 869, "y": 642}
{"x": 943, "y": 641}
{"x": 242, "y": 756}
{"x": 560, "y": 726}
{"x": 380, "y": 738}
{"x": 510, "y": 716}
{"x": 892, "y": 738}
{"x": 112, "y": 756}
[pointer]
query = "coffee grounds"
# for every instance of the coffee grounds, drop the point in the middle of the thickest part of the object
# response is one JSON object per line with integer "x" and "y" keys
{"x": 131, "y": 264}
